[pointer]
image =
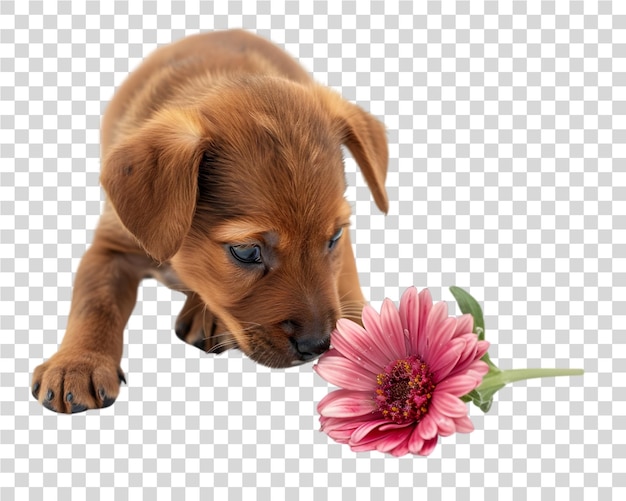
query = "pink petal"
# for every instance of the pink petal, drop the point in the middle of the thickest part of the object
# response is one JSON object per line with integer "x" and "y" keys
{"x": 387, "y": 339}
{"x": 341, "y": 429}
{"x": 477, "y": 369}
{"x": 441, "y": 367}
{"x": 458, "y": 385}
{"x": 448, "y": 405}
{"x": 465, "y": 324}
{"x": 425, "y": 306}
{"x": 415, "y": 442}
{"x": 393, "y": 439}
{"x": 445, "y": 424}
{"x": 369, "y": 446}
{"x": 470, "y": 358}
{"x": 365, "y": 429}
{"x": 429, "y": 446}
{"x": 409, "y": 312}
{"x": 401, "y": 450}
{"x": 439, "y": 337}
{"x": 482, "y": 348}
{"x": 351, "y": 423}
{"x": 480, "y": 367}
{"x": 438, "y": 314}
{"x": 381, "y": 440}
{"x": 468, "y": 353}
{"x": 392, "y": 326}
{"x": 342, "y": 372}
{"x": 346, "y": 403}
{"x": 353, "y": 342}
{"x": 340, "y": 436}
{"x": 427, "y": 427}
{"x": 464, "y": 425}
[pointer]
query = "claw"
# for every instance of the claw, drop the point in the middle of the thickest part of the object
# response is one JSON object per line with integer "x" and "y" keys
{"x": 106, "y": 401}
{"x": 78, "y": 408}
{"x": 48, "y": 406}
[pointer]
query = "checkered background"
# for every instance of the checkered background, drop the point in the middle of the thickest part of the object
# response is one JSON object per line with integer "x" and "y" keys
{"x": 507, "y": 134}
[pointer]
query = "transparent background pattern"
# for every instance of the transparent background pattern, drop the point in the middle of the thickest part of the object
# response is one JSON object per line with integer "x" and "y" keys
{"x": 507, "y": 176}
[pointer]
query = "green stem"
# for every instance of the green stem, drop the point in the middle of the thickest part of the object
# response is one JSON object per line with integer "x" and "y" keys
{"x": 500, "y": 378}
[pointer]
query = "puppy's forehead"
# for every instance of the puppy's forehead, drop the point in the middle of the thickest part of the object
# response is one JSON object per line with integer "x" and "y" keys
{"x": 276, "y": 172}
{"x": 275, "y": 233}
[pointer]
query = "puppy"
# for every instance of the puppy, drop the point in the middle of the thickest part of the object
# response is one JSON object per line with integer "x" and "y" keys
{"x": 223, "y": 170}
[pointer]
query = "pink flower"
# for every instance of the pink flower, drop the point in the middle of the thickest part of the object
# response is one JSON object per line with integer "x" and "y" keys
{"x": 401, "y": 376}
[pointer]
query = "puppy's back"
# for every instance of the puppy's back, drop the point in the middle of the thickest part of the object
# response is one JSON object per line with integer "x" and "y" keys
{"x": 179, "y": 70}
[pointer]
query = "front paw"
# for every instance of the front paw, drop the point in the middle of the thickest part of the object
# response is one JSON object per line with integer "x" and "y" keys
{"x": 197, "y": 326}
{"x": 76, "y": 381}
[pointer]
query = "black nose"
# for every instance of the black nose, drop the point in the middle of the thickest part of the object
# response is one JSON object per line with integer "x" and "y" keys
{"x": 309, "y": 348}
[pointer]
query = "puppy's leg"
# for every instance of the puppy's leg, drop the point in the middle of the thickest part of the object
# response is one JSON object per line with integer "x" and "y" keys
{"x": 194, "y": 323}
{"x": 197, "y": 326}
{"x": 350, "y": 295}
{"x": 85, "y": 373}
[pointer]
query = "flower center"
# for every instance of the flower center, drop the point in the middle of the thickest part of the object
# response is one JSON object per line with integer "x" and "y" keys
{"x": 404, "y": 390}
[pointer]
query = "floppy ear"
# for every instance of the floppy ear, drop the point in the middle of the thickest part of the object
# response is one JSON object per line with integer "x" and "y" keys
{"x": 366, "y": 139}
{"x": 151, "y": 180}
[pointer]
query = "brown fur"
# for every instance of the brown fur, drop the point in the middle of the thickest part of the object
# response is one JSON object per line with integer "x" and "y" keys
{"x": 215, "y": 141}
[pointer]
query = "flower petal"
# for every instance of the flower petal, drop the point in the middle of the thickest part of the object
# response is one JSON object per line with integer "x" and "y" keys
{"x": 401, "y": 450}
{"x": 467, "y": 346}
{"x": 458, "y": 385}
{"x": 438, "y": 314}
{"x": 392, "y": 326}
{"x": 464, "y": 425}
{"x": 445, "y": 424}
{"x": 448, "y": 404}
{"x": 425, "y": 306}
{"x": 353, "y": 342}
{"x": 427, "y": 427}
{"x": 470, "y": 354}
{"x": 341, "y": 436}
{"x": 481, "y": 348}
{"x": 381, "y": 440}
{"x": 385, "y": 338}
{"x": 439, "y": 337}
{"x": 346, "y": 403}
{"x": 429, "y": 446}
{"x": 341, "y": 429}
{"x": 365, "y": 429}
{"x": 343, "y": 372}
{"x": 441, "y": 367}
{"x": 391, "y": 440}
{"x": 480, "y": 367}
{"x": 409, "y": 312}
{"x": 415, "y": 441}
{"x": 439, "y": 340}
{"x": 465, "y": 324}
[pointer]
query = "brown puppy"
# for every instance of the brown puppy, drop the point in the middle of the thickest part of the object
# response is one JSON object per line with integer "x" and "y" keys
{"x": 224, "y": 178}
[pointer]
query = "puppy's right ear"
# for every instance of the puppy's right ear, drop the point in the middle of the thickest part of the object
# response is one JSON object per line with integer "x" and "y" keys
{"x": 366, "y": 139}
{"x": 151, "y": 180}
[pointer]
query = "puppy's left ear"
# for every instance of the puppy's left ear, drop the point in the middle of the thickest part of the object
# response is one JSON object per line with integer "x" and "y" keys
{"x": 366, "y": 139}
{"x": 151, "y": 180}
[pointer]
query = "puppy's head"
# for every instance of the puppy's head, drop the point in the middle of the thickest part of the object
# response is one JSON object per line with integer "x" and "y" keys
{"x": 244, "y": 194}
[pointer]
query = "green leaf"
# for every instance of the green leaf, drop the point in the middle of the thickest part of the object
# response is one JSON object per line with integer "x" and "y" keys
{"x": 482, "y": 398}
{"x": 468, "y": 304}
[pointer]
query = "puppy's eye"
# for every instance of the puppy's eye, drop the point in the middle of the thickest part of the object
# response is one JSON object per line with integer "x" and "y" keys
{"x": 333, "y": 241}
{"x": 247, "y": 254}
